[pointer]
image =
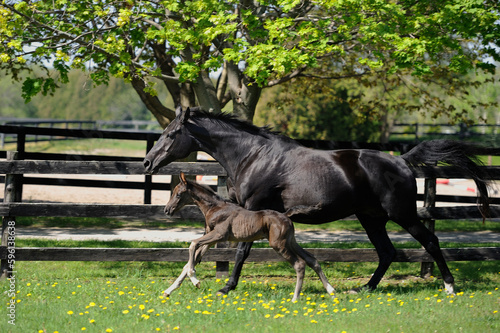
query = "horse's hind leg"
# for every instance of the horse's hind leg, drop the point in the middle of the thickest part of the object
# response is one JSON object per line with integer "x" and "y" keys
{"x": 375, "y": 229}
{"x": 431, "y": 243}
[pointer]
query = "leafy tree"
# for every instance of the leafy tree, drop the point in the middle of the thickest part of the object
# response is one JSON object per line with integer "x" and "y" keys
{"x": 317, "y": 112}
{"x": 248, "y": 45}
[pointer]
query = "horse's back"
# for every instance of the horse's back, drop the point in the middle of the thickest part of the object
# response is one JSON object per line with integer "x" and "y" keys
{"x": 338, "y": 183}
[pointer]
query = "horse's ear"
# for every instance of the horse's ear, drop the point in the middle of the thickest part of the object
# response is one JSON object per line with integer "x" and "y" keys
{"x": 183, "y": 115}
{"x": 178, "y": 110}
{"x": 183, "y": 177}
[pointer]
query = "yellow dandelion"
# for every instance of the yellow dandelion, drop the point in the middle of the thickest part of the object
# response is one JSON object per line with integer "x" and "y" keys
{"x": 314, "y": 321}
{"x": 84, "y": 328}
{"x": 125, "y": 311}
{"x": 70, "y": 312}
{"x": 142, "y": 307}
{"x": 109, "y": 330}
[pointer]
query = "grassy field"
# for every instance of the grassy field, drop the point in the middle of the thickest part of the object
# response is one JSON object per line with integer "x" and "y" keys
{"x": 126, "y": 296}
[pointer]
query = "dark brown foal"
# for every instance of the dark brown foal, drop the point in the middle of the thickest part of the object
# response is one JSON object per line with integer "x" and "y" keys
{"x": 226, "y": 221}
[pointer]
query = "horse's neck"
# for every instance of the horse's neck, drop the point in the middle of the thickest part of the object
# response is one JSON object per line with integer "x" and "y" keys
{"x": 229, "y": 146}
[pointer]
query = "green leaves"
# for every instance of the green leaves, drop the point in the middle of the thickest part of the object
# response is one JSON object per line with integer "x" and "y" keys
{"x": 269, "y": 41}
{"x": 31, "y": 87}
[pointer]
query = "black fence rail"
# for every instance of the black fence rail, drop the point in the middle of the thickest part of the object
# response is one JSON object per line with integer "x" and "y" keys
{"x": 417, "y": 131}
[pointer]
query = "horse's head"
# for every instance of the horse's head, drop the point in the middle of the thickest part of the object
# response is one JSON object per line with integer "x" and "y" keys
{"x": 180, "y": 196}
{"x": 175, "y": 143}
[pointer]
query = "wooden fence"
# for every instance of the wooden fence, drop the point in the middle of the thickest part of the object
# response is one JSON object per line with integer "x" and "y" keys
{"x": 14, "y": 168}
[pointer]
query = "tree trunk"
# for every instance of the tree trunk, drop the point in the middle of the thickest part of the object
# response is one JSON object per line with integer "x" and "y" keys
{"x": 245, "y": 96}
{"x": 161, "y": 113}
{"x": 206, "y": 93}
{"x": 385, "y": 129}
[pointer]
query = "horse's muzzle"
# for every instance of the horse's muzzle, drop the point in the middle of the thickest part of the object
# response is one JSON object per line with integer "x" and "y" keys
{"x": 169, "y": 210}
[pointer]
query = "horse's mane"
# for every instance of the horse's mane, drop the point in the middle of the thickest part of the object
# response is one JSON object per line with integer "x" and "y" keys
{"x": 237, "y": 123}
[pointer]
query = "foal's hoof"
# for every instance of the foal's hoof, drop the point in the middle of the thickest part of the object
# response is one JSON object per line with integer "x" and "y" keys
{"x": 197, "y": 285}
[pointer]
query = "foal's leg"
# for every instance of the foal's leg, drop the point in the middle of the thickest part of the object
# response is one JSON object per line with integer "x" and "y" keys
{"x": 204, "y": 244}
{"x": 375, "y": 229}
{"x": 242, "y": 253}
{"x": 312, "y": 262}
{"x": 297, "y": 263}
{"x": 177, "y": 283}
{"x": 431, "y": 243}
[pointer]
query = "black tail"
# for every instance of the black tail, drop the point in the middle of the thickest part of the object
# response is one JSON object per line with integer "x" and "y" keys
{"x": 457, "y": 154}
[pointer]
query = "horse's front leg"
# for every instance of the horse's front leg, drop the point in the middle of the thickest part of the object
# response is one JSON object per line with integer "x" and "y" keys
{"x": 242, "y": 253}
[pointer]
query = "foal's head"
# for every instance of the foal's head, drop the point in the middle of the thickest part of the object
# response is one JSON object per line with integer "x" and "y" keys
{"x": 180, "y": 197}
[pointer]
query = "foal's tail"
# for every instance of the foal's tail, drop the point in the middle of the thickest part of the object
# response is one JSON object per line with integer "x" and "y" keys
{"x": 457, "y": 154}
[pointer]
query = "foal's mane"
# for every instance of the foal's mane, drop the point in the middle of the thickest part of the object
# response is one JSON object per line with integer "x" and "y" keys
{"x": 207, "y": 193}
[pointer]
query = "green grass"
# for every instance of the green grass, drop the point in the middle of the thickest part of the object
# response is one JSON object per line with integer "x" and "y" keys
{"x": 112, "y": 147}
{"x": 110, "y": 223}
{"x": 34, "y": 242}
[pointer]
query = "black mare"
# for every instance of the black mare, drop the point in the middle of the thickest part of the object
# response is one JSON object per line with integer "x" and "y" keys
{"x": 270, "y": 171}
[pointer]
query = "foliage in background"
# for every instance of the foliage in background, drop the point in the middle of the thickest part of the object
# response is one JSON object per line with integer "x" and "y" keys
{"x": 248, "y": 45}
{"x": 76, "y": 100}
{"x": 317, "y": 112}
{"x": 359, "y": 109}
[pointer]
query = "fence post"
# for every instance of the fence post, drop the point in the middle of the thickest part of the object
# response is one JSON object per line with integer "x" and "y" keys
{"x": 426, "y": 268}
{"x": 148, "y": 179}
{"x": 222, "y": 267}
{"x": 13, "y": 186}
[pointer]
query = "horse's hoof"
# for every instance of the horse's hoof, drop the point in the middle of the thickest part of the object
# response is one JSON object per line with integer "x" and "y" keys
{"x": 197, "y": 285}
{"x": 360, "y": 290}
{"x": 221, "y": 293}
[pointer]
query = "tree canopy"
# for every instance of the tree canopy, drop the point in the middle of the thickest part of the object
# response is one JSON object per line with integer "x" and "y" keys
{"x": 217, "y": 53}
